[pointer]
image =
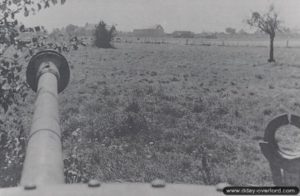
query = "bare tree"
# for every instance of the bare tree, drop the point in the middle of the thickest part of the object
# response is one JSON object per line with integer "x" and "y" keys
{"x": 267, "y": 23}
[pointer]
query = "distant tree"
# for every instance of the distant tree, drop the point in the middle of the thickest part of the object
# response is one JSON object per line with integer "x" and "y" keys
{"x": 230, "y": 30}
{"x": 104, "y": 36}
{"x": 242, "y": 32}
{"x": 70, "y": 29}
{"x": 267, "y": 23}
{"x": 287, "y": 30}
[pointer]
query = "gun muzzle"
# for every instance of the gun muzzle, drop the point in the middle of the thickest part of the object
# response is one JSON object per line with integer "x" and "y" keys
{"x": 48, "y": 74}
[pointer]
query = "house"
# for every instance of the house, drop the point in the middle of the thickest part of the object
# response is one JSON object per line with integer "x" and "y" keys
{"x": 207, "y": 35}
{"x": 156, "y": 31}
{"x": 183, "y": 34}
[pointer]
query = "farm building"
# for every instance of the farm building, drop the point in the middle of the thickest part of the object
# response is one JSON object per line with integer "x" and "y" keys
{"x": 156, "y": 31}
{"x": 183, "y": 34}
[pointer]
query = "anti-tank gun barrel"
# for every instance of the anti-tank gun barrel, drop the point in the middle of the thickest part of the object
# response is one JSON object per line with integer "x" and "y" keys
{"x": 48, "y": 74}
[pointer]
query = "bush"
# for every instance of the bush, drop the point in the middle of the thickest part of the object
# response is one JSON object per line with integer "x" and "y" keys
{"x": 103, "y": 35}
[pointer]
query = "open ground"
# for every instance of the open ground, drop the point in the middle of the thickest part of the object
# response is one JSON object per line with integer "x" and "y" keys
{"x": 184, "y": 113}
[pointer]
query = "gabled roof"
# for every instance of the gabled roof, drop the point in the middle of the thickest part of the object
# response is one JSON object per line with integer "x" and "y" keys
{"x": 157, "y": 26}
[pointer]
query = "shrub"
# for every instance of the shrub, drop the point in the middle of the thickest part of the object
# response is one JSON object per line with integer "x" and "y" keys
{"x": 104, "y": 36}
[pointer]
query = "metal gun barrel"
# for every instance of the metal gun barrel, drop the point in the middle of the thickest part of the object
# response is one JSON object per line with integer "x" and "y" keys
{"x": 47, "y": 73}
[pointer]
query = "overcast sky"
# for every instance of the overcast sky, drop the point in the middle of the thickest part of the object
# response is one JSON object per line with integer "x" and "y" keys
{"x": 194, "y": 15}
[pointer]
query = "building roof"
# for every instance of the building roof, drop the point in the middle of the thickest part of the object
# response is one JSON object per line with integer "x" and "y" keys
{"x": 152, "y": 27}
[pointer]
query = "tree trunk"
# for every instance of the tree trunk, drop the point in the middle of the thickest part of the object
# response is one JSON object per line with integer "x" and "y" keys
{"x": 271, "y": 58}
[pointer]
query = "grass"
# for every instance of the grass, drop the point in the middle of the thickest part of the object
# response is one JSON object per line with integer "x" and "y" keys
{"x": 188, "y": 114}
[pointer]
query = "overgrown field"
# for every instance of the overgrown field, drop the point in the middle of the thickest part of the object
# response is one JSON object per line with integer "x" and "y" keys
{"x": 188, "y": 114}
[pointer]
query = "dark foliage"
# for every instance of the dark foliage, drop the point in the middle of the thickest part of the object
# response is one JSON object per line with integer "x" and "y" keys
{"x": 104, "y": 35}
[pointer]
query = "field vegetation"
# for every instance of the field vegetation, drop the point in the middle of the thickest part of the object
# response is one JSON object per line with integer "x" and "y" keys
{"x": 188, "y": 114}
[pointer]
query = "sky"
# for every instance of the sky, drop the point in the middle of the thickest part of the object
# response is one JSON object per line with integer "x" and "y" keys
{"x": 193, "y": 15}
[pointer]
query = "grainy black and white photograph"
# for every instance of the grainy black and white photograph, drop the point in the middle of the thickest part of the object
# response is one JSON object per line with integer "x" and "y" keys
{"x": 158, "y": 98}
